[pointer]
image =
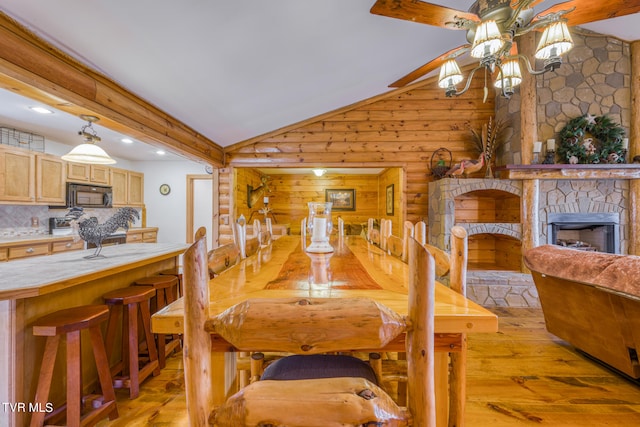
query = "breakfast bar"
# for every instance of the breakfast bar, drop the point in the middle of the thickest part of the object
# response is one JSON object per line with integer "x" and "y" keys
{"x": 36, "y": 286}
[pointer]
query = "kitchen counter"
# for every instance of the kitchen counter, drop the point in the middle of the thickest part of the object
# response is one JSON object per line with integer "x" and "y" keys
{"x": 36, "y": 286}
{"x": 29, "y": 239}
{"x": 35, "y": 276}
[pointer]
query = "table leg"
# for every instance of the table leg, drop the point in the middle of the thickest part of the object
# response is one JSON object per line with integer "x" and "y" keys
{"x": 441, "y": 365}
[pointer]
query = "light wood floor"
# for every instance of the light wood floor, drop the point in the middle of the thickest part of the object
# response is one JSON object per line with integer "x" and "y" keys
{"x": 520, "y": 376}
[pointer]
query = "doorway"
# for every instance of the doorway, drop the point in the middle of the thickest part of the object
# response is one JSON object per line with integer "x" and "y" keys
{"x": 202, "y": 207}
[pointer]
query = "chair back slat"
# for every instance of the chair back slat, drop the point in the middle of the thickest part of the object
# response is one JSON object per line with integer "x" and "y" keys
{"x": 221, "y": 258}
{"x": 395, "y": 246}
{"x": 252, "y": 245}
{"x": 266, "y": 324}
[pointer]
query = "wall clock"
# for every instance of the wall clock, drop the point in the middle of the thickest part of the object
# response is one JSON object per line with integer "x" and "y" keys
{"x": 165, "y": 189}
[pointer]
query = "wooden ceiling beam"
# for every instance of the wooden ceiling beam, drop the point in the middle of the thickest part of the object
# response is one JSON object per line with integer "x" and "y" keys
{"x": 34, "y": 68}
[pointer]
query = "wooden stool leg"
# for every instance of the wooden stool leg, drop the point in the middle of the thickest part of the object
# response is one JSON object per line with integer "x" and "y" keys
{"x": 74, "y": 382}
{"x": 104, "y": 374}
{"x": 145, "y": 314}
{"x": 132, "y": 345}
{"x": 44, "y": 381}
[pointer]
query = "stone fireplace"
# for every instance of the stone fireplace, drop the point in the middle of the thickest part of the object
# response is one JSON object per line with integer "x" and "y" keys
{"x": 505, "y": 217}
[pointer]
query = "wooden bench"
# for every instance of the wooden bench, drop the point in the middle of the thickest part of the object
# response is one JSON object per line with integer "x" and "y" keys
{"x": 592, "y": 301}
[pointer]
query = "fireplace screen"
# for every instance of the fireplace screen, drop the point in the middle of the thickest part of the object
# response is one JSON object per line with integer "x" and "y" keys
{"x": 588, "y": 232}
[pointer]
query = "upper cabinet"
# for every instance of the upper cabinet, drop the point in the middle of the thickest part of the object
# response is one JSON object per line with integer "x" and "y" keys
{"x": 50, "y": 179}
{"x": 128, "y": 187}
{"x": 93, "y": 174}
{"x": 17, "y": 175}
{"x": 28, "y": 177}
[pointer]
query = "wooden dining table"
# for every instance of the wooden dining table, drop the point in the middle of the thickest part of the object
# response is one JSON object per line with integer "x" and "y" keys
{"x": 355, "y": 268}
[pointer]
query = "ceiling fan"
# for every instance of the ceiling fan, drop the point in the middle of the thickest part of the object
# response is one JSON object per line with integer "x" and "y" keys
{"x": 492, "y": 27}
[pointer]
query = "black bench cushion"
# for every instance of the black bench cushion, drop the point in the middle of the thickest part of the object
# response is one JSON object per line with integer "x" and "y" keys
{"x": 300, "y": 367}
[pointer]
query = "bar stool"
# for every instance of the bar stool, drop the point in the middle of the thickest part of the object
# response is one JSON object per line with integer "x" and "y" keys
{"x": 166, "y": 288}
{"x": 70, "y": 322}
{"x": 177, "y": 272}
{"x": 137, "y": 300}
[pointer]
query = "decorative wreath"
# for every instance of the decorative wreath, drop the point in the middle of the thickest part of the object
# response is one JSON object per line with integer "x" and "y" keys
{"x": 591, "y": 139}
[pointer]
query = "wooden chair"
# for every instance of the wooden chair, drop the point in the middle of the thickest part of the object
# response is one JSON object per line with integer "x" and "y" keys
{"x": 420, "y": 232}
{"x": 221, "y": 258}
{"x": 240, "y": 235}
{"x": 268, "y": 225}
{"x": 362, "y": 324}
{"x": 370, "y": 228}
{"x": 200, "y": 232}
{"x": 395, "y": 246}
{"x": 386, "y": 226}
{"x": 407, "y": 233}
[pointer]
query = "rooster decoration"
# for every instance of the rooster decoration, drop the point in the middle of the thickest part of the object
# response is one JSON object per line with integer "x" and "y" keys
{"x": 91, "y": 232}
{"x": 466, "y": 167}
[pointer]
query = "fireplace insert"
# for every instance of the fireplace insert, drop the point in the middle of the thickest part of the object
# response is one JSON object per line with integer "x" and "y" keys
{"x": 585, "y": 231}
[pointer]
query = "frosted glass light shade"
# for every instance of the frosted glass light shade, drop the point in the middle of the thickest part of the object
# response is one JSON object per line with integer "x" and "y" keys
{"x": 487, "y": 40}
{"x": 450, "y": 74}
{"x": 512, "y": 72}
{"x": 555, "y": 41}
{"x": 88, "y": 153}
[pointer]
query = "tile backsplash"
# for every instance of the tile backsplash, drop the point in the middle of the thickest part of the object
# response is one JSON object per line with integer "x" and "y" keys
{"x": 18, "y": 220}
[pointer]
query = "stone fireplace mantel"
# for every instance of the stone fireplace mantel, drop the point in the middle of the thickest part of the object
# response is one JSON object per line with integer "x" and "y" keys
{"x": 566, "y": 171}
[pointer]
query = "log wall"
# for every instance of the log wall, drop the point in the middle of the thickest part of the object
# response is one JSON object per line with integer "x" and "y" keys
{"x": 401, "y": 128}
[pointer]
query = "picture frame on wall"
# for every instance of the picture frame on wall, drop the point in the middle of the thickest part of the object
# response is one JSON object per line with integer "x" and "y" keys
{"x": 342, "y": 199}
{"x": 389, "y": 200}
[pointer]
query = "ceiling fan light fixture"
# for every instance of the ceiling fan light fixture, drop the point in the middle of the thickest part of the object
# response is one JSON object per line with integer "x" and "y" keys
{"x": 487, "y": 41}
{"x": 555, "y": 41}
{"x": 88, "y": 152}
{"x": 512, "y": 76}
{"x": 450, "y": 74}
{"x": 319, "y": 172}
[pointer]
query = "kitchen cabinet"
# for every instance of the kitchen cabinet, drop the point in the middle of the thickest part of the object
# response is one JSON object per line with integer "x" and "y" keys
{"x": 142, "y": 235}
{"x": 77, "y": 172}
{"x": 135, "y": 188}
{"x": 50, "y": 180}
{"x": 93, "y": 174}
{"x": 17, "y": 175}
{"x": 100, "y": 174}
{"x": 28, "y": 250}
{"x": 66, "y": 245}
{"x": 128, "y": 187}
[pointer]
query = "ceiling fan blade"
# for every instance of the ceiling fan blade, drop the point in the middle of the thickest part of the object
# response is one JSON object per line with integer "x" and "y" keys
{"x": 591, "y": 11}
{"x": 430, "y": 66}
{"x": 422, "y": 12}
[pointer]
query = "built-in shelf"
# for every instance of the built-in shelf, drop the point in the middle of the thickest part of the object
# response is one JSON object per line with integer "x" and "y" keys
{"x": 566, "y": 171}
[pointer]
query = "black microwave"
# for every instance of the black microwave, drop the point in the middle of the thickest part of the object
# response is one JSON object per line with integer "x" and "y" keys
{"x": 89, "y": 196}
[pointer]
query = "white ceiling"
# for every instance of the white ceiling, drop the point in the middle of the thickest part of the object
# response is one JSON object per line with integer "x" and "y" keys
{"x": 233, "y": 70}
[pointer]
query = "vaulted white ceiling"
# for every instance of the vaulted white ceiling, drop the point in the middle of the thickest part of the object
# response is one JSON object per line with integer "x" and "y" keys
{"x": 233, "y": 70}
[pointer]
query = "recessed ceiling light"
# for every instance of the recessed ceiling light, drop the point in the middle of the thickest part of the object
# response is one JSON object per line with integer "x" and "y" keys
{"x": 127, "y": 140}
{"x": 161, "y": 152}
{"x": 41, "y": 110}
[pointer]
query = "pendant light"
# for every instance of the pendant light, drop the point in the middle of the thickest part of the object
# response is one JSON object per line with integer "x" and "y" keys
{"x": 89, "y": 152}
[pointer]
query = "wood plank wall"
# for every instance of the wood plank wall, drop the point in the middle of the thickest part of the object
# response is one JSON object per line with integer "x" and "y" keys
{"x": 401, "y": 128}
{"x": 291, "y": 193}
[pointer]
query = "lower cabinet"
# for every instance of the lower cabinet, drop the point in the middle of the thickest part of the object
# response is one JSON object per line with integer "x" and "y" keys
{"x": 23, "y": 251}
{"x": 142, "y": 235}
